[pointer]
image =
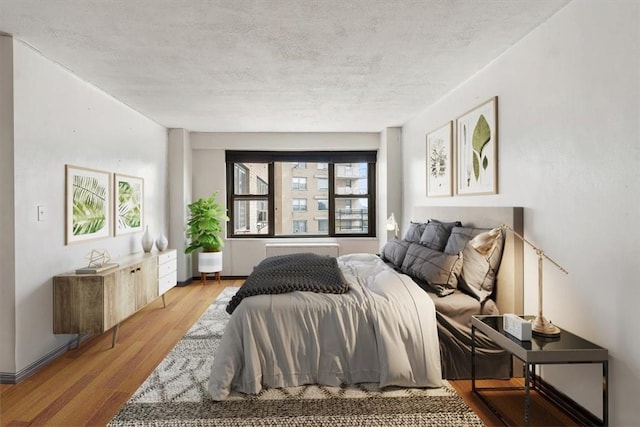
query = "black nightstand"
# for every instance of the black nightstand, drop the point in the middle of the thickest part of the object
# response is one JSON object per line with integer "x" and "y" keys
{"x": 567, "y": 348}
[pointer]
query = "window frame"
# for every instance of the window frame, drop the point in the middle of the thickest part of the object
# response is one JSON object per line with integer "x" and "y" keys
{"x": 331, "y": 159}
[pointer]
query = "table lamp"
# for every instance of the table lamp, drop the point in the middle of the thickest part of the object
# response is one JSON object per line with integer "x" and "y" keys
{"x": 392, "y": 224}
{"x": 540, "y": 325}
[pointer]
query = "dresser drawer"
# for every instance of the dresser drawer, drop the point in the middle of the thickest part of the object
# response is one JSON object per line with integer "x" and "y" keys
{"x": 167, "y": 282}
{"x": 167, "y": 267}
{"x": 167, "y": 256}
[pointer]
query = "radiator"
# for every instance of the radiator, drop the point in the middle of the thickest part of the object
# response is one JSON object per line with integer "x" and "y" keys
{"x": 331, "y": 249}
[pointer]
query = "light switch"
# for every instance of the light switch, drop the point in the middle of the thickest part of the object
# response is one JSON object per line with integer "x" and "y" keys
{"x": 41, "y": 214}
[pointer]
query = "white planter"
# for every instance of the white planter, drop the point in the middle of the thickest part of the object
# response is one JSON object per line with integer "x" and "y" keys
{"x": 209, "y": 262}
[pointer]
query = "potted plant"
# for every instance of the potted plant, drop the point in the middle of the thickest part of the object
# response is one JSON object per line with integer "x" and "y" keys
{"x": 206, "y": 218}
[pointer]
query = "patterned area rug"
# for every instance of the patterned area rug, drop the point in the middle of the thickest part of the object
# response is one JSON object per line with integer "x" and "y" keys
{"x": 175, "y": 394}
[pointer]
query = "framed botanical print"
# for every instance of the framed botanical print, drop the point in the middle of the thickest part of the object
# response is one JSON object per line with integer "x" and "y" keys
{"x": 129, "y": 206}
{"x": 477, "y": 150}
{"x": 87, "y": 204}
{"x": 439, "y": 161}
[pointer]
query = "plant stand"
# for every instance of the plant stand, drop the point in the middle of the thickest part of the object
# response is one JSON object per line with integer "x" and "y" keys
{"x": 209, "y": 263}
{"x": 203, "y": 277}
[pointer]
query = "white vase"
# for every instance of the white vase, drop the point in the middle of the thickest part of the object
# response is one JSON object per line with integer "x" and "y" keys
{"x": 147, "y": 240}
{"x": 162, "y": 242}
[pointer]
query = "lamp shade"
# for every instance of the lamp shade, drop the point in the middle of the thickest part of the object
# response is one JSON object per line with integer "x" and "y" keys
{"x": 392, "y": 224}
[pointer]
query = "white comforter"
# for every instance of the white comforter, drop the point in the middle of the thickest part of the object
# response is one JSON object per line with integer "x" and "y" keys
{"x": 383, "y": 330}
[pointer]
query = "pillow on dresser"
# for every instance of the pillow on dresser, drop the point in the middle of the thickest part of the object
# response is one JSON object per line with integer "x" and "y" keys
{"x": 394, "y": 252}
{"x": 436, "y": 234}
{"x": 480, "y": 263}
{"x": 438, "y": 269}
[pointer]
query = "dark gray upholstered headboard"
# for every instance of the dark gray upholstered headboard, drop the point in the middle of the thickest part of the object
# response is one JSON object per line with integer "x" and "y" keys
{"x": 510, "y": 280}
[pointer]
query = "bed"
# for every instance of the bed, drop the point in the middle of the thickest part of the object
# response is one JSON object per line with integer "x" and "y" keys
{"x": 454, "y": 311}
{"x": 385, "y": 329}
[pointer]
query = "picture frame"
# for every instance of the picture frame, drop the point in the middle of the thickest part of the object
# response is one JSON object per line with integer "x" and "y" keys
{"x": 87, "y": 204}
{"x": 128, "y": 212}
{"x": 440, "y": 161}
{"x": 477, "y": 150}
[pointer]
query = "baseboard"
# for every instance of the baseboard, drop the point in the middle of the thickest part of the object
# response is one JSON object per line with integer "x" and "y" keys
{"x": 185, "y": 282}
{"x": 15, "y": 378}
{"x": 570, "y": 406}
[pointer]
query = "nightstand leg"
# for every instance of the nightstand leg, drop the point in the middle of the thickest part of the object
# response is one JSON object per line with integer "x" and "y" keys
{"x": 605, "y": 393}
{"x": 527, "y": 400}
{"x": 473, "y": 358}
{"x": 164, "y": 302}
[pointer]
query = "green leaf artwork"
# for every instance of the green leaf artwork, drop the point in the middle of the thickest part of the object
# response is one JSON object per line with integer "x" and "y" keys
{"x": 128, "y": 205}
{"x": 89, "y": 199}
{"x": 481, "y": 137}
{"x": 438, "y": 158}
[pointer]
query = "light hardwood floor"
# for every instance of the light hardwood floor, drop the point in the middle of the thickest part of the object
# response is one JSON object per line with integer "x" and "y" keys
{"x": 87, "y": 386}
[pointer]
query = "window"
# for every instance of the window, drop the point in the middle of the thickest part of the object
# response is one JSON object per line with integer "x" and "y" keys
{"x": 262, "y": 186}
{"x": 241, "y": 174}
{"x": 299, "y": 183}
{"x": 352, "y": 204}
{"x": 251, "y": 199}
{"x": 299, "y": 226}
{"x": 264, "y": 193}
{"x": 323, "y": 184}
{"x": 299, "y": 205}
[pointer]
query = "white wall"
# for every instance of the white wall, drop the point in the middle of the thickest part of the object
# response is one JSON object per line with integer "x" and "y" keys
{"x": 569, "y": 153}
{"x": 209, "y": 175}
{"x": 180, "y": 172}
{"x": 389, "y": 181}
{"x": 7, "y": 258}
{"x": 60, "y": 119}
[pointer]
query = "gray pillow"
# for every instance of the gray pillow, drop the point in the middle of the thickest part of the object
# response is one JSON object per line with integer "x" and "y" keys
{"x": 438, "y": 269}
{"x": 414, "y": 232}
{"x": 459, "y": 237}
{"x": 394, "y": 252}
{"x": 436, "y": 234}
{"x": 479, "y": 270}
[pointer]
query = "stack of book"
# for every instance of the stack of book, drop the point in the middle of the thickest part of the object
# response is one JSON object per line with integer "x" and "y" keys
{"x": 96, "y": 270}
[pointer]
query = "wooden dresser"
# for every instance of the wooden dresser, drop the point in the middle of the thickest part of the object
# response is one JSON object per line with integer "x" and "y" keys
{"x": 95, "y": 303}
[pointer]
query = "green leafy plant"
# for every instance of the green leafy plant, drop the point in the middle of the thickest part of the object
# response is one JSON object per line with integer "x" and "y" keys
{"x": 206, "y": 218}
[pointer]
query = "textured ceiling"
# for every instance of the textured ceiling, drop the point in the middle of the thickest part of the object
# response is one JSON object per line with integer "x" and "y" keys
{"x": 274, "y": 65}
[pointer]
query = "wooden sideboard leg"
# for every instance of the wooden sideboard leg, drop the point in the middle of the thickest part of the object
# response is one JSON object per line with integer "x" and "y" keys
{"x": 114, "y": 336}
{"x": 164, "y": 302}
{"x": 78, "y": 341}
